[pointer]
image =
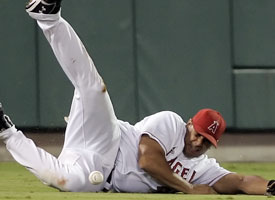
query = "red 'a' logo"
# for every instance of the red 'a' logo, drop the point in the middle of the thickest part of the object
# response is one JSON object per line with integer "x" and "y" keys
{"x": 213, "y": 127}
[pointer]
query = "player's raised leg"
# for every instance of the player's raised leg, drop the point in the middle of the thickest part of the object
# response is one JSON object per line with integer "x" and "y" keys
{"x": 92, "y": 136}
{"x": 92, "y": 124}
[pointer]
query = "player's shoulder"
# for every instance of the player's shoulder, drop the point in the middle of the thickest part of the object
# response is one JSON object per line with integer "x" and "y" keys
{"x": 168, "y": 114}
{"x": 166, "y": 119}
{"x": 163, "y": 119}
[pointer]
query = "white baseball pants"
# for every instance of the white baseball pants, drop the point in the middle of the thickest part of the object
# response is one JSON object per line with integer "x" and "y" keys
{"x": 92, "y": 135}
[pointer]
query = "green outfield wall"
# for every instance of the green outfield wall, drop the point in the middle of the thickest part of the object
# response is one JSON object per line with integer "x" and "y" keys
{"x": 179, "y": 55}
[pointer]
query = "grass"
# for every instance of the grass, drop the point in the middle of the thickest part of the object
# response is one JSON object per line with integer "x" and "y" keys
{"x": 17, "y": 183}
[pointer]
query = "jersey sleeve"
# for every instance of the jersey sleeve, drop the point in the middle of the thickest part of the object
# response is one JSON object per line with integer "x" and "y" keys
{"x": 209, "y": 172}
{"x": 165, "y": 127}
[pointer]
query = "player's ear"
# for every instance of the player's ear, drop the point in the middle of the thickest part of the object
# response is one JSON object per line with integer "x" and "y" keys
{"x": 189, "y": 125}
{"x": 189, "y": 121}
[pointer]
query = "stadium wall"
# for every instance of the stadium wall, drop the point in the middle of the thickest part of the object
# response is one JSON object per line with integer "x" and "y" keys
{"x": 178, "y": 55}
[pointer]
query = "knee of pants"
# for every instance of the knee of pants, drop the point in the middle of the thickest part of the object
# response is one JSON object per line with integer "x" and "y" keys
{"x": 69, "y": 181}
{"x": 63, "y": 180}
{"x": 63, "y": 183}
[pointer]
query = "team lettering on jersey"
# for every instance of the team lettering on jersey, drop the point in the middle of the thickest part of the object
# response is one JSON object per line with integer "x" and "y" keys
{"x": 179, "y": 169}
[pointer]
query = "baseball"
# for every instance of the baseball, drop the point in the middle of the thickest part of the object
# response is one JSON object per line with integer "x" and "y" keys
{"x": 96, "y": 177}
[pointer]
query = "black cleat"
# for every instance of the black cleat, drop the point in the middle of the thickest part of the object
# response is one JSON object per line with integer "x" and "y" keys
{"x": 43, "y": 6}
{"x": 5, "y": 121}
{"x": 270, "y": 191}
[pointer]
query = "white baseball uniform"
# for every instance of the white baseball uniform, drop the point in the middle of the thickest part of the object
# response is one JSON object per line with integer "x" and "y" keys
{"x": 92, "y": 135}
{"x": 94, "y": 138}
{"x": 169, "y": 130}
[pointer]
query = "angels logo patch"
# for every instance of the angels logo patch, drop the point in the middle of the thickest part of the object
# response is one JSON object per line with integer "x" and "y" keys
{"x": 213, "y": 127}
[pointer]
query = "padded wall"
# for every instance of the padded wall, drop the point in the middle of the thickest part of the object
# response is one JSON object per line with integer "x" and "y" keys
{"x": 18, "y": 82}
{"x": 254, "y": 28}
{"x": 254, "y": 61}
{"x": 178, "y": 55}
{"x": 255, "y": 98}
{"x": 184, "y": 56}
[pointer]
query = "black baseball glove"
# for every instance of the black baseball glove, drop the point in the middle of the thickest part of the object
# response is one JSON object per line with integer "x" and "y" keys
{"x": 270, "y": 191}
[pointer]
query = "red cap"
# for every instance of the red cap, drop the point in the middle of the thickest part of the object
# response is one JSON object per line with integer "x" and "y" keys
{"x": 210, "y": 124}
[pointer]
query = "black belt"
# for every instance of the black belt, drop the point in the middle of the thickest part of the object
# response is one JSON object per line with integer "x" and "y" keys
{"x": 109, "y": 179}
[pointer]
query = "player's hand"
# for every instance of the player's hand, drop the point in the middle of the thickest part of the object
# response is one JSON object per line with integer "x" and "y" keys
{"x": 270, "y": 191}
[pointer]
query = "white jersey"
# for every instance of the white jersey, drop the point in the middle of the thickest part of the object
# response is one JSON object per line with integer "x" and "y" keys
{"x": 200, "y": 170}
{"x": 169, "y": 130}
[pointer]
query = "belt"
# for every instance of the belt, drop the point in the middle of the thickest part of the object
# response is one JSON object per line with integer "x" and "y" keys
{"x": 108, "y": 186}
{"x": 109, "y": 179}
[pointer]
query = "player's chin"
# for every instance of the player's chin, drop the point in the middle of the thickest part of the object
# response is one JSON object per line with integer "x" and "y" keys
{"x": 196, "y": 154}
{"x": 192, "y": 153}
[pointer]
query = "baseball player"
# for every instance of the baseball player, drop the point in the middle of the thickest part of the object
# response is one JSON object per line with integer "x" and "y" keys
{"x": 161, "y": 153}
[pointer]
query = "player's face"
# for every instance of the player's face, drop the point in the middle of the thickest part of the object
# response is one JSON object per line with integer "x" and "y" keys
{"x": 195, "y": 144}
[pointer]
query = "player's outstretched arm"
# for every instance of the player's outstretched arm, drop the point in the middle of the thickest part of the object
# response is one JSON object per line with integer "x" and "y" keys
{"x": 152, "y": 160}
{"x": 236, "y": 184}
